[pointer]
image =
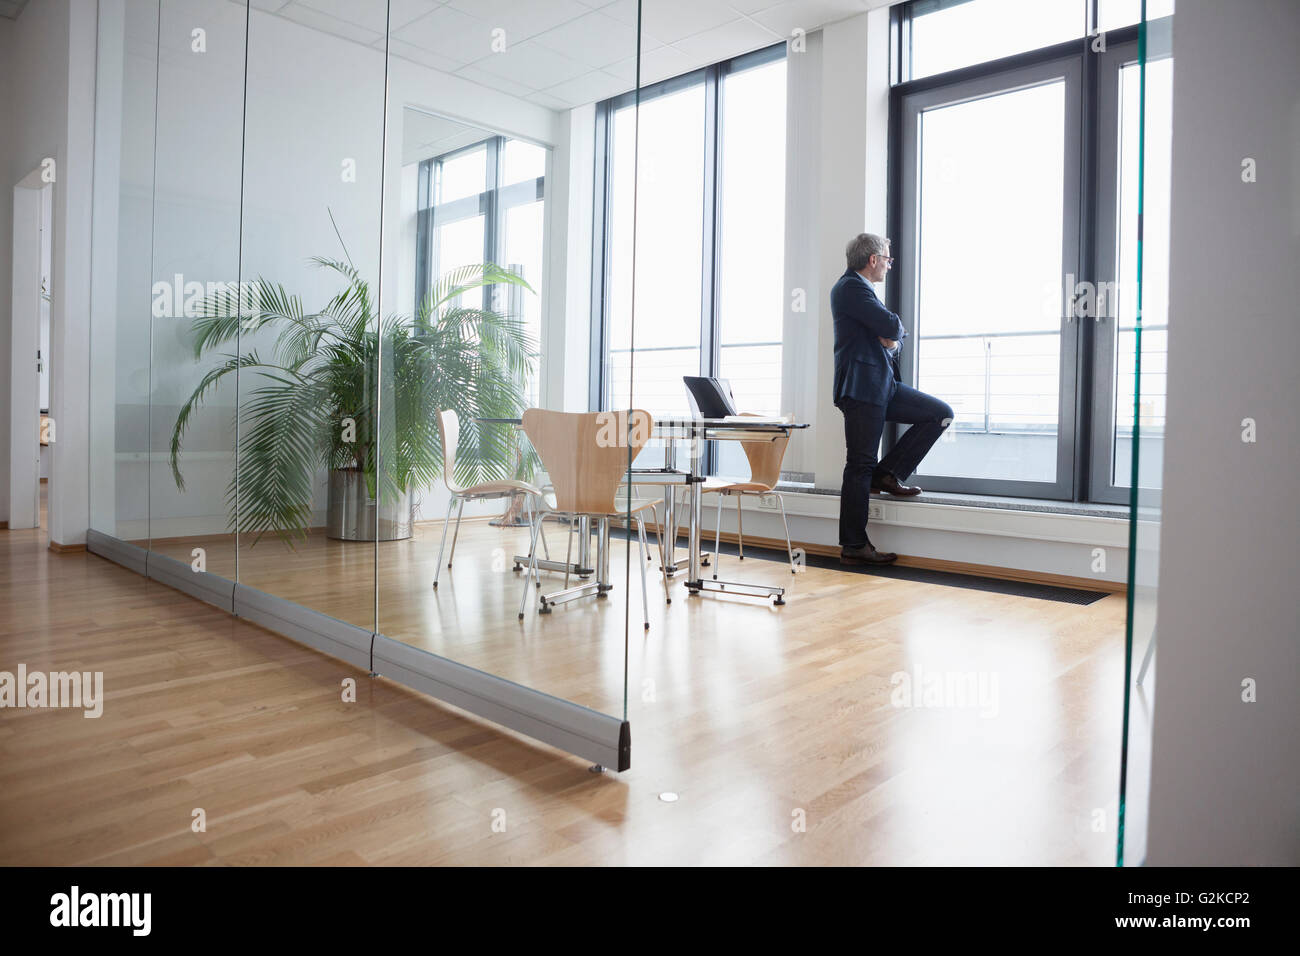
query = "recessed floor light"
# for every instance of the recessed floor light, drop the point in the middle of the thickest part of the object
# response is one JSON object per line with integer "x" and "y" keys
{"x": 668, "y": 797}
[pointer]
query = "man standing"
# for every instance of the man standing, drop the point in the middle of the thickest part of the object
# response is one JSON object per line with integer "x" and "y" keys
{"x": 869, "y": 391}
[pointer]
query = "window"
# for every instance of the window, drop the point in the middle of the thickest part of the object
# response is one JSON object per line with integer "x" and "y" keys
{"x": 702, "y": 167}
{"x": 949, "y": 34}
{"x": 1016, "y": 279}
{"x": 485, "y": 203}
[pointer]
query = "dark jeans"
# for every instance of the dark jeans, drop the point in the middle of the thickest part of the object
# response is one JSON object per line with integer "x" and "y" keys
{"x": 863, "y": 426}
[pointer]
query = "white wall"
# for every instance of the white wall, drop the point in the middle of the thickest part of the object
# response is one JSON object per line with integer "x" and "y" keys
{"x": 48, "y": 63}
{"x": 8, "y": 146}
{"x": 1225, "y": 774}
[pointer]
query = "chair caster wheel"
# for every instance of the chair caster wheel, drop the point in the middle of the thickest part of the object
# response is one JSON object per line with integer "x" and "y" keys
{"x": 546, "y": 609}
{"x": 778, "y": 602}
{"x": 518, "y": 568}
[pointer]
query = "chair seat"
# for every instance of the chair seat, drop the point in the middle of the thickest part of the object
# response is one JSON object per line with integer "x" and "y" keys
{"x": 506, "y": 486}
{"x": 637, "y": 504}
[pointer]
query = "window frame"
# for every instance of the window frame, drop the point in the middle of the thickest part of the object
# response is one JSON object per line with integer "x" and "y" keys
{"x": 1090, "y": 421}
{"x": 492, "y": 203}
{"x": 711, "y": 77}
{"x": 1106, "y": 358}
{"x": 905, "y": 278}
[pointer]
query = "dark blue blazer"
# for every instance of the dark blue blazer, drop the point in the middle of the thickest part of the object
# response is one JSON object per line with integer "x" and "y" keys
{"x": 864, "y": 369}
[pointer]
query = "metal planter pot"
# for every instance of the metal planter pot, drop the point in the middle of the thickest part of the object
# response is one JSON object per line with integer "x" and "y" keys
{"x": 352, "y": 515}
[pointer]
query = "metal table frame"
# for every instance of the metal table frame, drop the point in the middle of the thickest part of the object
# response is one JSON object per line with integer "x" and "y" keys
{"x": 698, "y": 431}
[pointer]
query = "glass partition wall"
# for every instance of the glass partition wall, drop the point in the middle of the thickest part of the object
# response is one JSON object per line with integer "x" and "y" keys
{"x": 1141, "y": 81}
{"x": 338, "y": 251}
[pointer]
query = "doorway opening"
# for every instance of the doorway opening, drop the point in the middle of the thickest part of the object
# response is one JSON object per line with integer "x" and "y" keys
{"x": 32, "y": 429}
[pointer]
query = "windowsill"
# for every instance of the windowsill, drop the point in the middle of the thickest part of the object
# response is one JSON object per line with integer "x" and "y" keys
{"x": 994, "y": 502}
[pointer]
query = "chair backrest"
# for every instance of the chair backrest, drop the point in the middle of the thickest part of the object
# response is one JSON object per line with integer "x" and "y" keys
{"x": 765, "y": 454}
{"x": 586, "y": 454}
{"x": 449, "y": 429}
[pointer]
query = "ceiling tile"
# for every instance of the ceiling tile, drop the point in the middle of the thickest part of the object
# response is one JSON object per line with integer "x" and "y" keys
{"x": 670, "y": 20}
{"x": 521, "y": 19}
{"x": 808, "y": 15}
{"x": 328, "y": 24}
{"x": 417, "y": 54}
{"x": 483, "y": 78}
{"x": 589, "y": 88}
{"x": 753, "y": 6}
{"x": 532, "y": 64}
{"x": 374, "y": 14}
{"x": 450, "y": 33}
{"x": 550, "y": 102}
{"x": 724, "y": 42}
{"x": 593, "y": 39}
{"x": 656, "y": 65}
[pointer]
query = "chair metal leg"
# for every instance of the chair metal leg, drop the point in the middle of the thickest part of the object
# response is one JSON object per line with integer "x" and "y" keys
{"x": 531, "y": 511}
{"x": 456, "y": 534}
{"x": 645, "y": 554}
{"x": 789, "y": 549}
{"x": 541, "y": 533}
{"x": 446, "y": 521}
{"x": 740, "y": 529}
{"x": 568, "y": 555}
{"x": 717, "y": 539}
{"x": 531, "y": 570}
{"x": 659, "y": 539}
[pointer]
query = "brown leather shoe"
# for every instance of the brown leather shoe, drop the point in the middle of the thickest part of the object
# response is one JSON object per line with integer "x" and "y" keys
{"x": 889, "y": 483}
{"x": 866, "y": 555}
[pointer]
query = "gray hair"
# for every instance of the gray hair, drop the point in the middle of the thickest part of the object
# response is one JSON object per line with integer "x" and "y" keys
{"x": 863, "y": 247}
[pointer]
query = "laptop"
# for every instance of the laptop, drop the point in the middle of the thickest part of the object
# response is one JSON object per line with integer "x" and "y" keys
{"x": 710, "y": 397}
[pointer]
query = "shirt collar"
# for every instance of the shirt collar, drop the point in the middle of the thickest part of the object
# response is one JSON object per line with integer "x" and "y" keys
{"x": 867, "y": 281}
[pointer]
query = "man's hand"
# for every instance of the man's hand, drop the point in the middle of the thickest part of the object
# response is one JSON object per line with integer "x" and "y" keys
{"x": 890, "y": 344}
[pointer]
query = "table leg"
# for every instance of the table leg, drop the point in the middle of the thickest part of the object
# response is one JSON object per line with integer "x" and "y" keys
{"x": 670, "y": 510}
{"x": 693, "y": 535}
{"x": 602, "y": 556}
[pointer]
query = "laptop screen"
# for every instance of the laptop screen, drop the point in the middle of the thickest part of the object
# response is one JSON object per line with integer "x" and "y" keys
{"x": 710, "y": 397}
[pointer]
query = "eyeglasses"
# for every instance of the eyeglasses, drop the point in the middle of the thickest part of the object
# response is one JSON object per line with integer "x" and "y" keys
{"x": 889, "y": 260}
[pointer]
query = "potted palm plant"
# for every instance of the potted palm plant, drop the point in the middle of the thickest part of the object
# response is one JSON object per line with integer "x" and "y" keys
{"x": 345, "y": 391}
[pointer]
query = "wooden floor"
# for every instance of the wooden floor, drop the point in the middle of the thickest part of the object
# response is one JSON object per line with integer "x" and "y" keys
{"x": 759, "y": 718}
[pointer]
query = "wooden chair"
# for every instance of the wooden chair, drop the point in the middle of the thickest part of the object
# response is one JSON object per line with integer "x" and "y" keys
{"x": 586, "y": 456}
{"x": 449, "y": 429}
{"x": 765, "y": 454}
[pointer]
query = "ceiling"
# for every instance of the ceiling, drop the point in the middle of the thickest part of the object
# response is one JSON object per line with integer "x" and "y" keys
{"x": 563, "y": 53}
